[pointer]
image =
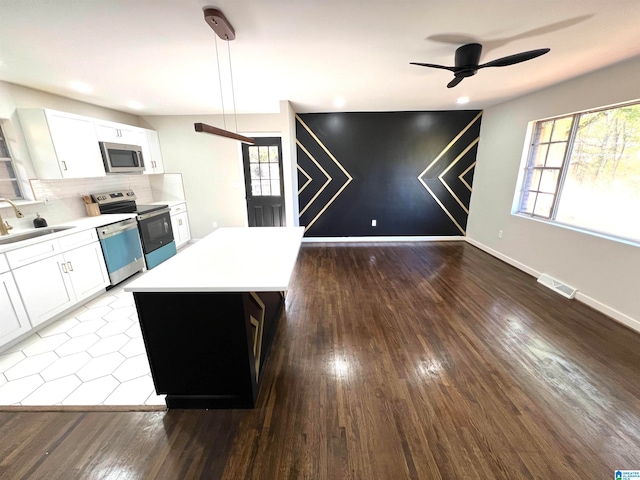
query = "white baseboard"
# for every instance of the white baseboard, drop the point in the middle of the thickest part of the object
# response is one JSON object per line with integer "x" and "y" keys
{"x": 504, "y": 258}
{"x": 581, "y": 297}
{"x": 380, "y": 239}
{"x": 608, "y": 311}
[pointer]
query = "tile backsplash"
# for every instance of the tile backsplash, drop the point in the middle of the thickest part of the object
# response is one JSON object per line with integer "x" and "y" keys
{"x": 65, "y": 197}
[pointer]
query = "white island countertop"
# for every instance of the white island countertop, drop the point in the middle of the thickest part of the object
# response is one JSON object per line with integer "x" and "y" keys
{"x": 259, "y": 259}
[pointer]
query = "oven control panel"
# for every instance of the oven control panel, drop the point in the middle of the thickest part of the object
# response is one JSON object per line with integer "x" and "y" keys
{"x": 112, "y": 197}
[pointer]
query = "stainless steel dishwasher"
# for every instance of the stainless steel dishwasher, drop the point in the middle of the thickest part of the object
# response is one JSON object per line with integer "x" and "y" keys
{"x": 122, "y": 250}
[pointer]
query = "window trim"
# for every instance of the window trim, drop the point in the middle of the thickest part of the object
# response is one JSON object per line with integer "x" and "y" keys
{"x": 527, "y": 153}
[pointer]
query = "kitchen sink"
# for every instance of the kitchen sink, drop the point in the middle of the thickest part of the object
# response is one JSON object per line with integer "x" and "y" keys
{"x": 19, "y": 237}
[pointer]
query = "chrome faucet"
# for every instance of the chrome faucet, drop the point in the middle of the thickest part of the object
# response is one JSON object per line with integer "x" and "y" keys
{"x": 4, "y": 225}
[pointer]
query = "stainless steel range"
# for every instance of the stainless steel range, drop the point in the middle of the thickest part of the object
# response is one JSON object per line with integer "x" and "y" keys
{"x": 154, "y": 223}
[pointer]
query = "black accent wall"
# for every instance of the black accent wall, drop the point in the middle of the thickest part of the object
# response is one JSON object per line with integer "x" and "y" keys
{"x": 412, "y": 172}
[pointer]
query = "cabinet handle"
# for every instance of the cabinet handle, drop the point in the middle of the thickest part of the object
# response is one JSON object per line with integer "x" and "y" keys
{"x": 179, "y": 221}
{"x": 64, "y": 165}
{"x": 70, "y": 266}
{"x": 64, "y": 267}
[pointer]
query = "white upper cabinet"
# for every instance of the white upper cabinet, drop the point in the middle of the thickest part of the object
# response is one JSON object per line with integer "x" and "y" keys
{"x": 65, "y": 145}
{"x": 62, "y": 145}
{"x": 147, "y": 139}
{"x": 117, "y": 133}
{"x": 153, "y": 161}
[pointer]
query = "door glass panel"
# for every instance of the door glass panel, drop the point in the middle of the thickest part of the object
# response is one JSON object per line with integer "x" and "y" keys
{"x": 266, "y": 187}
{"x": 274, "y": 170}
{"x": 263, "y": 154}
{"x": 255, "y": 170}
{"x": 275, "y": 188}
{"x": 273, "y": 153}
{"x": 255, "y": 188}
{"x": 253, "y": 154}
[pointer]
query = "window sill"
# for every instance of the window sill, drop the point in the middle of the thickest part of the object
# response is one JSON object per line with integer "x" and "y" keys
{"x": 626, "y": 241}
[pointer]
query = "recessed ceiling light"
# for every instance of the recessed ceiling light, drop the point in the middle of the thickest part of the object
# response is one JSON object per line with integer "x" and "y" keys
{"x": 81, "y": 87}
{"x": 339, "y": 102}
{"x": 462, "y": 100}
{"x": 136, "y": 105}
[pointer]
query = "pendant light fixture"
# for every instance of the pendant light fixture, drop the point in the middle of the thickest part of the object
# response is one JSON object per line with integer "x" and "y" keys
{"x": 219, "y": 23}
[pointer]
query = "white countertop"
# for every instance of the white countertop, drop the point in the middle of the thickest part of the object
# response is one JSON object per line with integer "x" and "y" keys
{"x": 81, "y": 224}
{"x": 171, "y": 203}
{"x": 257, "y": 259}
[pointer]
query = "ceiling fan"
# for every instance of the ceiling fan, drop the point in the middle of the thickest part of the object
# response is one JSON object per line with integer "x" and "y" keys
{"x": 468, "y": 57}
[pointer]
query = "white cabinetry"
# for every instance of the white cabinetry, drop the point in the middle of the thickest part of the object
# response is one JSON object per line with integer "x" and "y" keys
{"x": 153, "y": 160}
{"x": 129, "y": 135}
{"x": 62, "y": 145}
{"x": 117, "y": 133}
{"x": 13, "y": 321}
{"x": 45, "y": 288}
{"x": 53, "y": 284}
{"x": 65, "y": 145}
{"x": 180, "y": 224}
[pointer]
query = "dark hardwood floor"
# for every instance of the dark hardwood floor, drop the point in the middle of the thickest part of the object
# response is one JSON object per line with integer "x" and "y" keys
{"x": 403, "y": 361}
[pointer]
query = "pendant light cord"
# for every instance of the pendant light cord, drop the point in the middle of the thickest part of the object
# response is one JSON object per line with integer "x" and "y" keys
{"x": 224, "y": 119}
{"x": 233, "y": 93}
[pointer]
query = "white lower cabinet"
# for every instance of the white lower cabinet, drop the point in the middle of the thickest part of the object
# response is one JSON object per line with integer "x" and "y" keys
{"x": 87, "y": 270}
{"x": 45, "y": 288}
{"x": 13, "y": 321}
{"x": 55, "y": 284}
{"x": 180, "y": 224}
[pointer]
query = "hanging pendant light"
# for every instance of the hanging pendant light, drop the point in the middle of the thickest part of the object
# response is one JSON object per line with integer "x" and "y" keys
{"x": 219, "y": 23}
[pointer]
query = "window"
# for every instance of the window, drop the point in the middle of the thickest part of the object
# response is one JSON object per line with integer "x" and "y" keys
{"x": 9, "y": 184}
{"x": 265, "y": 170}
{"x": 583, "y": 170}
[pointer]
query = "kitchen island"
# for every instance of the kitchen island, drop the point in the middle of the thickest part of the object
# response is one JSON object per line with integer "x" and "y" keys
{"x": 209, "y": 314}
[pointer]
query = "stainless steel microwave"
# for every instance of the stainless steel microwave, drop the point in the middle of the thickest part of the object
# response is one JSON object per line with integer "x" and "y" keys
{"x": 121, "y": 158}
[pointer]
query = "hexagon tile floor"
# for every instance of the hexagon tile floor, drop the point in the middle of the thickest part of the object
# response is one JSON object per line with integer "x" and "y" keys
{"x": 93, "y": 356}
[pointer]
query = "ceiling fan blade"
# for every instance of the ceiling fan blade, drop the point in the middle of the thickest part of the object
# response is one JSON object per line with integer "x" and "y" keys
{"x": 431, "y": 65}
{"x": 454, "y": 82}
{"x": 517, "y": 58}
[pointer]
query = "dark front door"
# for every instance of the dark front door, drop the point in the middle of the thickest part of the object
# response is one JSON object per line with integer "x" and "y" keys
{"x": 263, "y": 178}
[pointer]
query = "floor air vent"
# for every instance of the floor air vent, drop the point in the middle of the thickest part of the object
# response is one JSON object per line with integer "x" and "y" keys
{"x": 557, "y": 286}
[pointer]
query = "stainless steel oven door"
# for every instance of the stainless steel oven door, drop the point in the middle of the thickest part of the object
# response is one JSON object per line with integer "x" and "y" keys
{"x": 155, "y": 229}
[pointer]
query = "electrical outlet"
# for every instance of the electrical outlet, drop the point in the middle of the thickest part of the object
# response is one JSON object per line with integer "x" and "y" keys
{"x": 373, "y": 223}
{"x": 499, "y": 233}
{"x": 215, "y": 224}
{"x": 46, "y": 200}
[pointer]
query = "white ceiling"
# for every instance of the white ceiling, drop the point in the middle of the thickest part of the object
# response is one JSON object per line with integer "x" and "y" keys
{"x": 162, "y": 54}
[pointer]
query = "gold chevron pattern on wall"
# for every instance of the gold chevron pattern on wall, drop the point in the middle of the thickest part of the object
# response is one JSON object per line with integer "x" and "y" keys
{"x": 326, "y": 181}
{"x": 429, "y": 182}
{"x": 306, "y": 184}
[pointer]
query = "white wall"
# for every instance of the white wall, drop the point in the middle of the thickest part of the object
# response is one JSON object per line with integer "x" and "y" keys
{"x": 211, "y": 166}
{"x": 606, "y": 272}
